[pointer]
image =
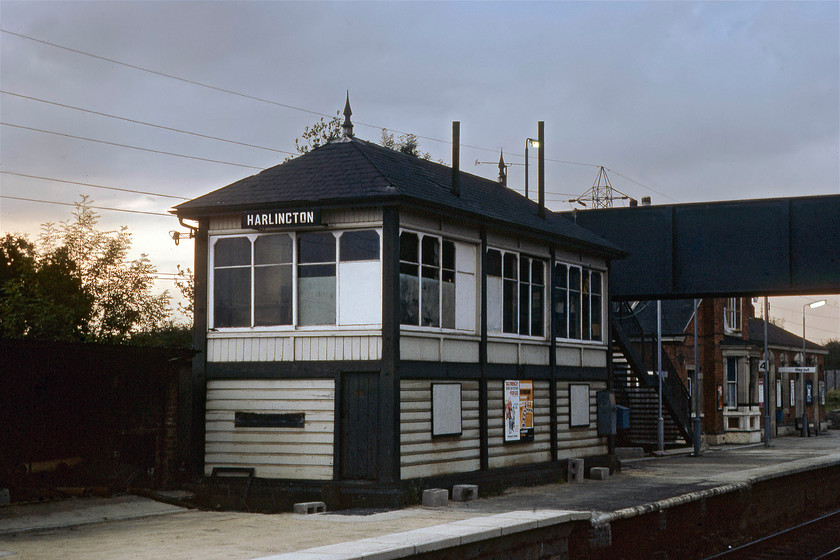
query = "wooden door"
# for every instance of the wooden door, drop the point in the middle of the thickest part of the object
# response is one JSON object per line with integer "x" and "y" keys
{"x": 359, "y": 433}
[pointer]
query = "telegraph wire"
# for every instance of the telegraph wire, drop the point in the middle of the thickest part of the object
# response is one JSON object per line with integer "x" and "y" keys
{"x": 94, "y": 207}
{"x": 295, "y": 108}
{"x": 127, "y": 146}
{"x": 133, "y": 121}
{"x": 91, "y": 185}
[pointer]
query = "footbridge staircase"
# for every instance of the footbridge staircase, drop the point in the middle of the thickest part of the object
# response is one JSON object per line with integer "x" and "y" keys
{"x": 637, "y": 385}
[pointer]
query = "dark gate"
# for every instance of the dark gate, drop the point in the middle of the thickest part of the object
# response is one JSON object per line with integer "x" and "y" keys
{"x": 359, "y": 432}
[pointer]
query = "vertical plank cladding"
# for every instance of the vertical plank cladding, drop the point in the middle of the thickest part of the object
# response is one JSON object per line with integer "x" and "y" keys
{"x": 503, "y": 454}
{"x": 297, "y": 453}
{"x": 293, "y": 348}
{"x": 420, "y": 454}
{"x": 579, "y": 441}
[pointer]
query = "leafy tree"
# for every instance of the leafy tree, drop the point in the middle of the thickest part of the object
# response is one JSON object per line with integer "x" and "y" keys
{"x": 406, "y": 143}
{"x": 42, "y": 297}
{"x": 122, "y": 289}
{"x": 318, "y": 134}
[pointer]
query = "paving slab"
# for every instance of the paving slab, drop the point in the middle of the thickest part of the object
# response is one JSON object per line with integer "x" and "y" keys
{"x": 132, "y": 527}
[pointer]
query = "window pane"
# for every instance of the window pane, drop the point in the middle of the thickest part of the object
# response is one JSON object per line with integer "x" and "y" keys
{"x": 574, "y": 314}
{"x": 524, "y": 308}
{"x": 525, "y": 269}
{"x": 537, "y": 272}
{"x": 316, "y": 247}
{"x": 273, "y": 295}
{"x": 316, "y": 295}
{"x": 409, "y": 295}
{"x": 494, "y": 263}
{"x": 232, "y": 251}
{"x": 447, "y": 308}
{"x": 561, "y": 313}
{"x": 561, "y": 272}
{"x": 430, "y": 298}
{"x": 596, "y": 317}
{"x": 587, "y": 333}
{"x": 449, "y": 255}
{"x": 431, "y": 251}
{"x": 494, "y": 304}
{"x": 510, "y": 265}
{"x": 574, "y": 278}
{"x": 537, "y": 306}
{"x": 509, "y": 314}
{"x": 273, "y": 249}
{"x": 359, "y": 246}
{"x": 596, "y": 282}
{"x": 232, "y": 297}
{"x": 409, "y": 247}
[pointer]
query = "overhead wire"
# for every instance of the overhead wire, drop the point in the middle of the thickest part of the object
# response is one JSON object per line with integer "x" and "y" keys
{"x": 293, "y": 107}
{"x": 94, "y": 207}
{"x": 92, "y": 185}
{"x": 128, "y": 146}
{"x": 134, "y": 121}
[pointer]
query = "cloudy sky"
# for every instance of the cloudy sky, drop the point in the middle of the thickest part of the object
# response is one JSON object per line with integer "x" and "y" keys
{"x": 682, "y": 102}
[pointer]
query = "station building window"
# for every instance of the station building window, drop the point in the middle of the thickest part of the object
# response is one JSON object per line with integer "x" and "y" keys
{"x": 515, "y": 293}
{"x": 256, "y": 276}
{"x": 437, "y": 282}
{"x": 578, "y": 302}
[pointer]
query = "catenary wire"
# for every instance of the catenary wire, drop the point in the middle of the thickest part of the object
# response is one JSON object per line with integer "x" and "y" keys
{"x": 94, "y": 207}
{"x": 91, "y": 185}
{"x": 288, "y": 106}
{"x": 127, "y": 146}
{"x": 134, "y": 121}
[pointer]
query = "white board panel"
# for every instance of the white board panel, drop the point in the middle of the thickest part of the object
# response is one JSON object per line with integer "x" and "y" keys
{"x": 579, "y": 405}
{"x": 360, "y": 293}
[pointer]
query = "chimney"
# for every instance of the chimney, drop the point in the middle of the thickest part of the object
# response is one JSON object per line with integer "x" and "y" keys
{"x": 456, "y": 156}
{"x": 633, "y": 202}
{"x": 645, "y": 201}
{"x": 541, "y": 168}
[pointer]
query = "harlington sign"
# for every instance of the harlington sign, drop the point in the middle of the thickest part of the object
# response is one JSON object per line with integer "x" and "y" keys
{"x": 281, "y": 219}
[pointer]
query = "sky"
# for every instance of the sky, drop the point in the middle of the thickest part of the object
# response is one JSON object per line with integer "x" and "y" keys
{"x": 679, "y": 101}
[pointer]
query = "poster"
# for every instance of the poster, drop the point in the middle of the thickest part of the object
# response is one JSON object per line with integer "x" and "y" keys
{"x": 519, "y": 410}
{"x": 792, "y": 392}
{"x": 822, "y": 392}
{"x": 761, "y": 393}
{"x": 778, "y": 393}
{"x": 512, "y": 418}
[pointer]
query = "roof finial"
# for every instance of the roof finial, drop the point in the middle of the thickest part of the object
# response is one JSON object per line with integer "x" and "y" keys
{"x": 347, "y": 126}
{"x": 502, "y": 169}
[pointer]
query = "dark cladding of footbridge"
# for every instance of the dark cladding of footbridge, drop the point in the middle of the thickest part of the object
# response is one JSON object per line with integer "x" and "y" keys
{"x": 787, "y": 246}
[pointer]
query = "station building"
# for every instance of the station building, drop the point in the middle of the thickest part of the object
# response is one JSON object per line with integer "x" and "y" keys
{"x": 371, "y": 322}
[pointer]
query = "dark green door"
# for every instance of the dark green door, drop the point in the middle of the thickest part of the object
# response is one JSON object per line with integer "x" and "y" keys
{"x": 359, "y": 431}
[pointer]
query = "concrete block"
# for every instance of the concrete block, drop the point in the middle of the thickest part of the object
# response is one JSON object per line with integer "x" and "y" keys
{"x": 629, "y": 453}
{"x": 306, "y": 508}
{"x": 599, "y": 473}
{"x": 575, "y": 471}
{"x": 464, "y": 492}
{"x": 435, "y": 497}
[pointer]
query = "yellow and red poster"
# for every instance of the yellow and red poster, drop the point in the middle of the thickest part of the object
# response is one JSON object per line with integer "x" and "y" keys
{"x": 519, "y": 410}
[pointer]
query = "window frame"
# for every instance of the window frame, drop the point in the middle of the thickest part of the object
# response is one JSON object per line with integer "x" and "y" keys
{"x": 584, "y": 294}
{"x": 295, "y": 264}
{"x": 519, "y": 284}
{"x": 732, "y": 315}
{"x": 443, "y": 272}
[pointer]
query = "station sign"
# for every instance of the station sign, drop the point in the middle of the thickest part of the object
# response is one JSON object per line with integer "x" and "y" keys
{"x": 281, "y": 219}
{"x": 810, "y": 369}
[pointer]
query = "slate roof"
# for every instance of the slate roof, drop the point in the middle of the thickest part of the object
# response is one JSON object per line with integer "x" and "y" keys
{"x": 354, "y": 171}
{"x": 777, "y": 336}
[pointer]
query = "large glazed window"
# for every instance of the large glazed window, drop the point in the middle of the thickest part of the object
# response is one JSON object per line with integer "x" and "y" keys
{"x": 428, "y": 284}
{"x": 578, "y": 303}
{"x": 305, "y": 279}
{"x": 515, "y": 293}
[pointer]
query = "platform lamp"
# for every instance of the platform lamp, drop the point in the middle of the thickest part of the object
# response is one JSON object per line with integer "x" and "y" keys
{"x": 529, "y": 142}
{"x": 812, "y": 305}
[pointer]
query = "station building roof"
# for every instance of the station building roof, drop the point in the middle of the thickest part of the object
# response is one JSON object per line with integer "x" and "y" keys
{"x": 354, "y": 172}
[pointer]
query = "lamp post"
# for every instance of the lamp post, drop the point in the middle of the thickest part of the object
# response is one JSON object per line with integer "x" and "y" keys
{"x": 534, "y": 144}
{"x": 812, "y": 305}
{"x": 695, "y": 383}
{"x": 660, "y": 421}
